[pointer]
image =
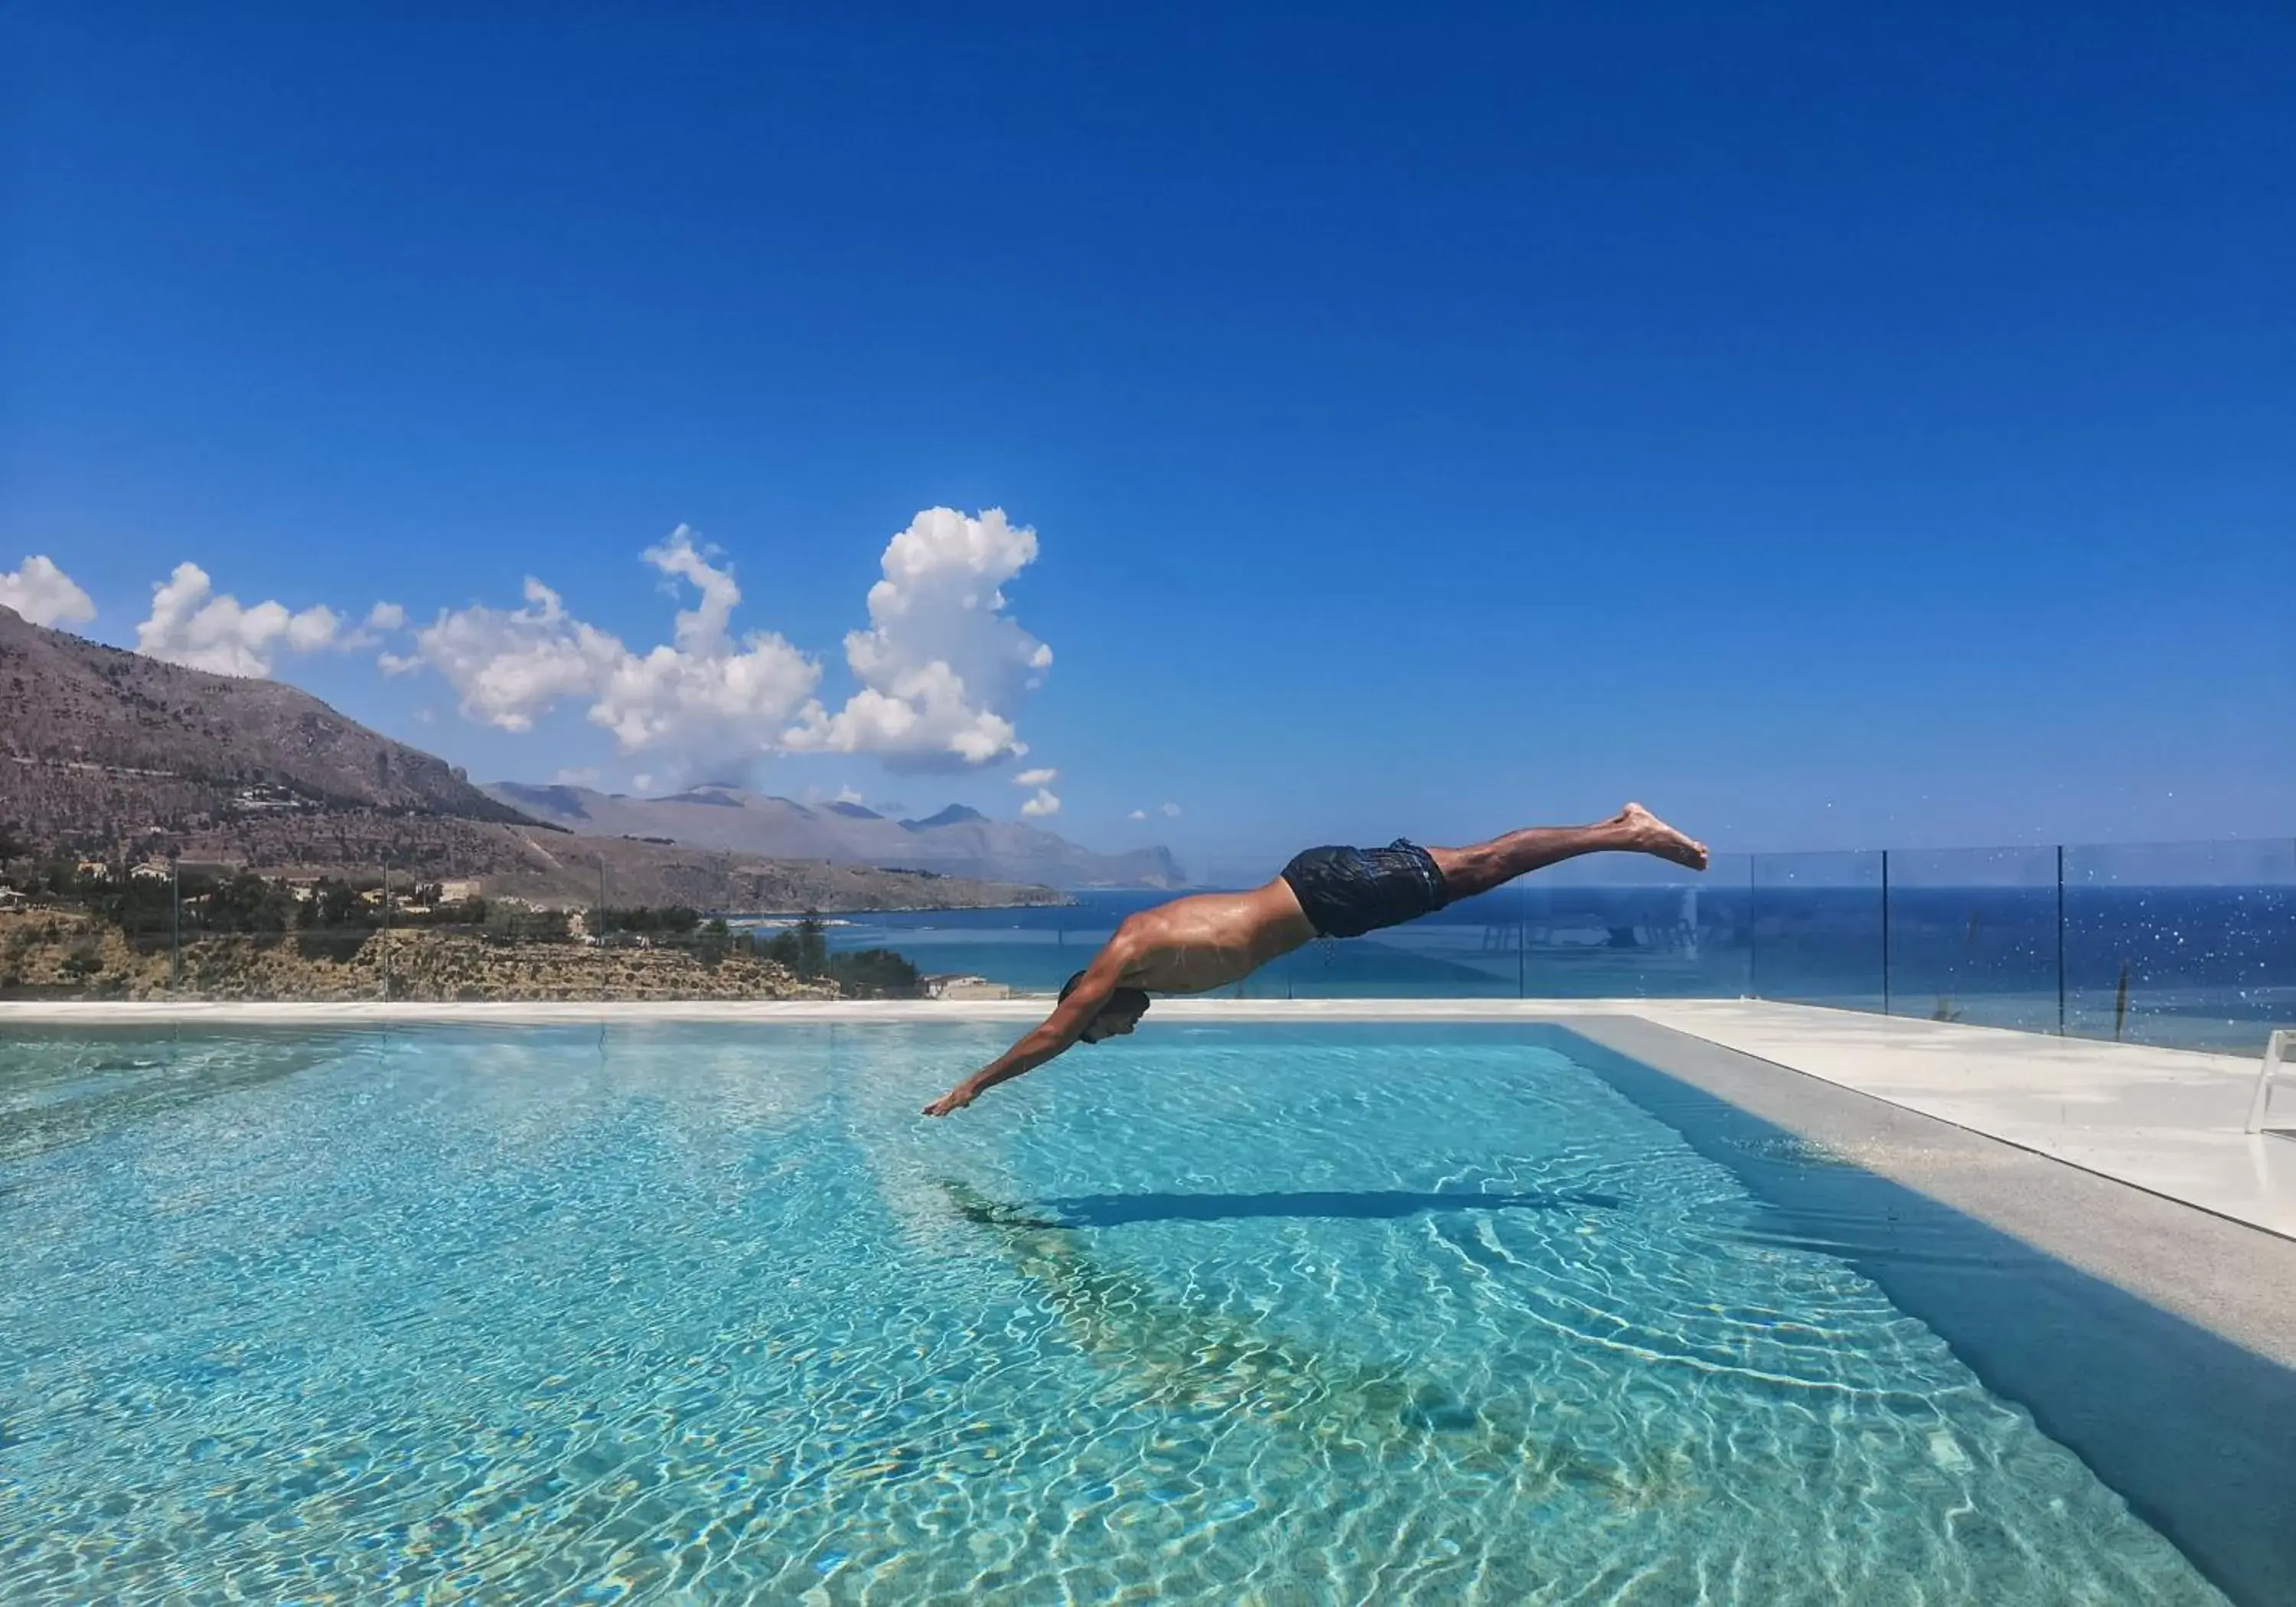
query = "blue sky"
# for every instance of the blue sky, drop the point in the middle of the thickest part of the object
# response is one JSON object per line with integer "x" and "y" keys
{"x": 1832, "y": 431}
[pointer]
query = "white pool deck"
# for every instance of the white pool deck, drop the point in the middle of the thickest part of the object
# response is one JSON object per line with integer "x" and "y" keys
{"x": 2165, "y": 1121}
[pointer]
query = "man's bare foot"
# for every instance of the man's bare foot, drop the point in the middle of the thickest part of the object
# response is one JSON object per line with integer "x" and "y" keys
{"x": 1651, "y": 835}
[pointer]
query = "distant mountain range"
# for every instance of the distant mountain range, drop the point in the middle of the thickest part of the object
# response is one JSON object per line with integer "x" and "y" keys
{"x": 111, "y": 754}
{"x": 957, "y": 841}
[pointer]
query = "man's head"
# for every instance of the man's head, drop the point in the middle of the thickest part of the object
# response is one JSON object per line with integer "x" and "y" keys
{"x": 1119, "y": 1016}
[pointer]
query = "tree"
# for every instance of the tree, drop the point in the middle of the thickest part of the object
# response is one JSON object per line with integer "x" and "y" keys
{"x": 781, "y": 948}
{"x": 245, "y": 903}
{"x": 334, "y": 902}
{"x": 716, "y": 938}
{"x": 874, "y": 973}
{"x": 812, "y": 945}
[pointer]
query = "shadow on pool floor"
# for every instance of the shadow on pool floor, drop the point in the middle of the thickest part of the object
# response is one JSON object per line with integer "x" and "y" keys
{"x": 1115, "y": 1211}
{"x": 1181, "y": 1358}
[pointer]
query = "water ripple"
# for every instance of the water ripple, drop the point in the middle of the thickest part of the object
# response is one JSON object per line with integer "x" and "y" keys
{"x": 710, "y": 1314}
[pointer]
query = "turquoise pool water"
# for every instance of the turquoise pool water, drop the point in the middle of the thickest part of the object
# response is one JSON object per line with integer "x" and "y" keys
{"x": 705, "y": 1312}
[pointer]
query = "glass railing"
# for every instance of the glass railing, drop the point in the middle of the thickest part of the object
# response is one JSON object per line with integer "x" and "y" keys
{"x": 1816, "y": 926}
{"x": 2184, "y": 945}
{"x": 1972, "y": 936}
{"x": 2189, "y": 945}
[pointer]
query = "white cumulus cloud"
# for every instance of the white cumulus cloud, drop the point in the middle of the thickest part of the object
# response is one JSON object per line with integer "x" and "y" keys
{"x": 45, "y": 595}
{"x": 1043, "y": 803}
{"x": 1035, "y": 778}
{"x": 708, "y": 696}
{"x": 380, "y": 620}
{"x": 510, "y": 665}
{"x": 702, "y": 698}
{"x": 941, "y": 669}
{"x": 942, "y": 666}
{"x": 1138, "y": 815}
{"x": 1170, "y": 811}
{"x": 193, "y": 625}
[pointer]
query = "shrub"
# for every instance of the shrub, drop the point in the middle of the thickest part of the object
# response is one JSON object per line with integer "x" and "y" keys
{"x": 874, "y": 973}
{"x": 714, "y": 942}
{"x": 803, "y": 948}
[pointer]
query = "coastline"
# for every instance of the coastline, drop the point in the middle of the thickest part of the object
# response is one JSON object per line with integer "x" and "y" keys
{"x": 844, "y": 917}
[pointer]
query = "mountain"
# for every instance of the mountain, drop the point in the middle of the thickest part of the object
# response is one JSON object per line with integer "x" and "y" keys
{"x": 956, "y": 814}
{"x": 77, "y": 703}
{"x": 111, "y": 754}
{"x": 957, "y": 841}
{"x": 90, "y": 735}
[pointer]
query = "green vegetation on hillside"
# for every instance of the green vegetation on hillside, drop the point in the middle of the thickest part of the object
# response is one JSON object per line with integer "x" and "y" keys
{"x": 866, "y": 973}
{"x": 166, "y": 908}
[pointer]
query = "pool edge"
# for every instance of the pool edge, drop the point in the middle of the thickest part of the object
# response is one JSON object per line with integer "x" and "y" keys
{"x": 2143, "y": 1329}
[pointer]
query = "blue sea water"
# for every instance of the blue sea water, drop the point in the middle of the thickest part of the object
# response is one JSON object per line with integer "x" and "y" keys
{"x": 703, "y": 1314}
{"x": 2204, "y": 967}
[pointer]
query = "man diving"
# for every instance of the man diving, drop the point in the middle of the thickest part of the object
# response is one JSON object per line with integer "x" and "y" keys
{"x": 1195, "y": 944}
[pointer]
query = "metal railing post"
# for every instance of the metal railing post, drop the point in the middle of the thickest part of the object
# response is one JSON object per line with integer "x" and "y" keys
{"x": 2061, "y": 940}
{"x": 1522, "y": 942}
{"x": 1885, "y": 931}
{"x": 1753, "y": 926}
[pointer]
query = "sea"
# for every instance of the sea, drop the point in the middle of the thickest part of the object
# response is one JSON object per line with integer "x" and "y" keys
{"x": 2203, "y": 967}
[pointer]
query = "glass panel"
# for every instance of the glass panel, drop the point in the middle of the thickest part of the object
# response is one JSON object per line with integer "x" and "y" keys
{"x": 1818, "y": 931}
{"x": 2188, "y": 945}
{"x": 1471, "y": 949}
{"x": 1615, "y": 928}
{"x": 1973, "y": 936}
{"x": 976, "y": 952}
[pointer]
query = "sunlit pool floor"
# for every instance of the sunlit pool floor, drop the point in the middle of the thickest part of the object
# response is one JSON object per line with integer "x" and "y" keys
{"x": 1248, "y": 1314}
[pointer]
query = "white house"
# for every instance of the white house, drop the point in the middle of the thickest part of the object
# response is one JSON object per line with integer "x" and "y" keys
{"x": 956, "y": 986}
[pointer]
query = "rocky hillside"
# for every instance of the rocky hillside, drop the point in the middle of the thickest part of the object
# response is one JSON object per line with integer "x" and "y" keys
{"x": 559, "y": 869}
{"x": 117, "y": 756}
{"x": 51, "y": 955}
{"x": 92, "y": 737}
{"x": 957, "y": 841}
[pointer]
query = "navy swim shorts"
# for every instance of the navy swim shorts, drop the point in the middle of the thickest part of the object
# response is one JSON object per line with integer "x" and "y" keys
{"x": 1348, "y": 893}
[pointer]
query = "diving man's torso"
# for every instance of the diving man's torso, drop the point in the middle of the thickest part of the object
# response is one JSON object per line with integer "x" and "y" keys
{"x": 1210, "y": 940}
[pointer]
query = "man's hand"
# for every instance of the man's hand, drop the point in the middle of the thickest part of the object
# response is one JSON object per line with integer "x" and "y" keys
{"x": 1063, "y": 1027}
{"x": 955, "y": 1099}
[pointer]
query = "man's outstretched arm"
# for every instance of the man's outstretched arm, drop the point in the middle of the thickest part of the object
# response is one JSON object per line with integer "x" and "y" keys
{"x": 1058, "y": 1031}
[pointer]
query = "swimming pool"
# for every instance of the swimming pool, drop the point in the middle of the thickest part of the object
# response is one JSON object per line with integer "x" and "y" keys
{"x": 1231, "y": 1313}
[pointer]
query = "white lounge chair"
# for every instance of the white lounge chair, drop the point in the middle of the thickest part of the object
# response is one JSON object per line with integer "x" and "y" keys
{"x": 2275, "y": 1048}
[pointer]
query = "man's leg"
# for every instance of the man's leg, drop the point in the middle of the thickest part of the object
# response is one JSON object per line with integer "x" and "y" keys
{"x": 1633, "y": 830}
